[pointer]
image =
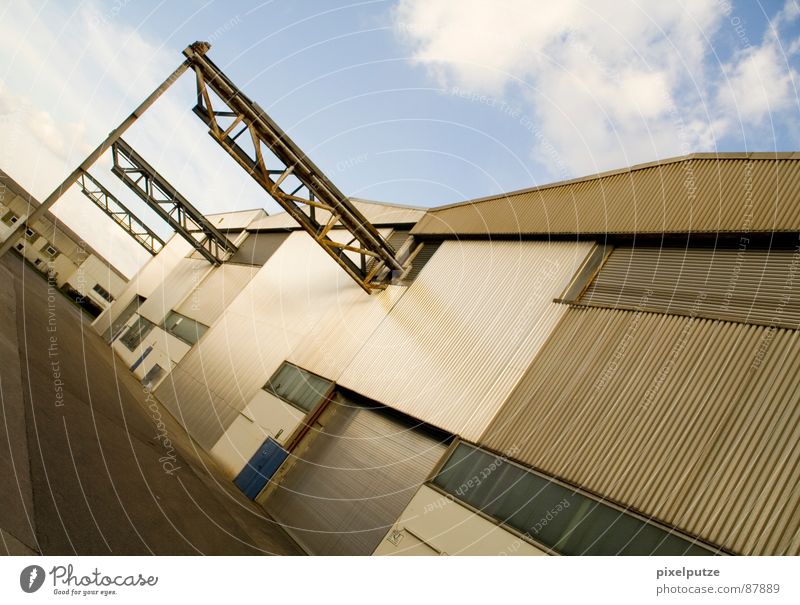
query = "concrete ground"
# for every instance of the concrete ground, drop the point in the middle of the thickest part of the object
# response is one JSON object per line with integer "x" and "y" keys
{"x": 82, "y": 468}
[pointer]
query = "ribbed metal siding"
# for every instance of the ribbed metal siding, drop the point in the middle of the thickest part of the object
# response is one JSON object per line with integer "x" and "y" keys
{"x": 257, "y": 248}
{"x": 180, "y": 281}
{"x": 453, "y": 348}
{"x": 211, "y": 297}
{"x": 693, "y": 421}
{"x": 420, "y": 260}
{"x": 694, "y": 195}
{"x": 148, "y": 279}
{"x": 756, "y": 286}
{"x": 358, "y": 474}
{"x": 277, "y": 309}
{"x": 342, "y": 331}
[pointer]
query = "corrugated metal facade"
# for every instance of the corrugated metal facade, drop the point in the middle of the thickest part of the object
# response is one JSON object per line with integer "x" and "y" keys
{"x": 257, "y": 248}
{"x": 353, "y": 480}
{"x": 273, "y": 314}
{"x": 755, "y": 286}
{"x": 454, "y": 346}
{"x": 182, "y": 279}
{"x": 149, "y": 278}
{"x": 211, "y": 297}
{"x": 698, "y": 194}
{"x": 342, "y": 331}
{"x": 693, "y": 421}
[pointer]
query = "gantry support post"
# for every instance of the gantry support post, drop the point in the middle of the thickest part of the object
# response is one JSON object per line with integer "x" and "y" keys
{"x": 89, "y": 161}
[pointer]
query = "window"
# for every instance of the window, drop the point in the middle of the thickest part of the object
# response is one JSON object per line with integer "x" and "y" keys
{"x": 20, "y": 247}
{"x": 297, "y": 386}
{"x": 10, "y": 218}
{"x": 31, "y": 235}
{"x": 103, "y": 292}
{"x": 51, "y": 251}
{"x": 560, "y": 517}
{"x": 137, "y": 333}
{"x": 186, "y": 329}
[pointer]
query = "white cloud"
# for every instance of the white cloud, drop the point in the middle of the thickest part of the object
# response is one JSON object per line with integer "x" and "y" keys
{"x": 609, "y": 83}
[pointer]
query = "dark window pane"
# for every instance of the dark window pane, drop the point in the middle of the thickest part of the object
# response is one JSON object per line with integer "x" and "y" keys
{"x": 297, "y": 386}
{"x": 563, "y": 519}
{"x": 185, "y": 328}
{"x": 137, "y": 333}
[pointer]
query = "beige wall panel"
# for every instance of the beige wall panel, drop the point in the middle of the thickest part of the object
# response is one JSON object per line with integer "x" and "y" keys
{"x": 434, "y": 524}
{"x": 454, "y": 347}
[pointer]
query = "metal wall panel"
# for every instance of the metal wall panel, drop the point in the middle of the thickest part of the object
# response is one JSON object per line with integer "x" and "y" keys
{"x": 277, "y": 309}
{"x": 183, "y": 278}
{"x": 737, "y": 192}
{"x": 146, "y": 281}
{"x": 258, "y": 247}
{"x": 217, "y": 290}
{"x": 352, "y": 482}
{"x": 452, "y": 349}
{"x": 750, "y": 285}
{"x": 694, "y": 422}
{"x": 342, "y": 331}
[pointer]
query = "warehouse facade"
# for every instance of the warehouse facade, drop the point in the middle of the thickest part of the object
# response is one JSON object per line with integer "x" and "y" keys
{"x": 58, "y": 252}
{"x": 601, "y": 366}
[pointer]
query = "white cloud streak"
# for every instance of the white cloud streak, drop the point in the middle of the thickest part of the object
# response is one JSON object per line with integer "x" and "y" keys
{"x": 610, "y": 83}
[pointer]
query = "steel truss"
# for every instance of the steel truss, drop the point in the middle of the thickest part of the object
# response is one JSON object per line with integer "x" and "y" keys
{"x": 169, "y": 204}
{"x": 289, "y": 176}
{"x": 108, "y": 203}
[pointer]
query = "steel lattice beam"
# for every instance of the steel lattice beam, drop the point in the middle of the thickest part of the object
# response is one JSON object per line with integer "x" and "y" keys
{"x": 108, "y": 203}
{"x": 169, "y": 204}
{"x": 288, "y": 175}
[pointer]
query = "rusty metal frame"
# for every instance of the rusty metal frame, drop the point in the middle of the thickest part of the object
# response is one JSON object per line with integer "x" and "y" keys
{"x": 289, "y": 176}
{"x": 121, "y": 214}
{"x": 169, "y": 204}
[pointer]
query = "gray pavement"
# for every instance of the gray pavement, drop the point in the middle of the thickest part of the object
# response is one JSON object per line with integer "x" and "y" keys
{"x": 83, "y": 464}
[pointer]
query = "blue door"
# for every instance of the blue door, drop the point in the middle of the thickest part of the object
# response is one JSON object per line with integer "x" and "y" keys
{"x": 254, "y": 476}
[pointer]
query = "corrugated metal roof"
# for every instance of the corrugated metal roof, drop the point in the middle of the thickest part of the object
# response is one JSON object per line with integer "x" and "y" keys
{"x": 376, "y": 213}
{"x": 750, "y": 285}
{"x": 697, "y": 193}
{"x": 454, "y": 346}
{"x": 695, "y": 422}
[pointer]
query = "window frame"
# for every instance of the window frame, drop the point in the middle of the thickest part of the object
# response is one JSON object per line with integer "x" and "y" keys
{"x": 102, "y": 292}
{"x": 143, "y": 335}
{"x": 323, "y": 397}
{"x": 171, "y": 313}
{"x": 526, "y": 536}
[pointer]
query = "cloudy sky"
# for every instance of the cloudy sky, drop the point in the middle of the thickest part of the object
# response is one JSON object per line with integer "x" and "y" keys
{"x": 421, "y": 102}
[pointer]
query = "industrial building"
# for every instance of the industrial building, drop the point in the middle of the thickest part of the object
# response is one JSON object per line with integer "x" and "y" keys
{"x": 602, "y": 366}
{"x": 607, "y": 365}
{"x": 58, "y": 252}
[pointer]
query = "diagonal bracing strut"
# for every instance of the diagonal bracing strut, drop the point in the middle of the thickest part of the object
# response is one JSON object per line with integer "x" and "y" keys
{"x": 108, "y": 203}
{"x": 169, "y": 204}
{"x": 250, "y": 136}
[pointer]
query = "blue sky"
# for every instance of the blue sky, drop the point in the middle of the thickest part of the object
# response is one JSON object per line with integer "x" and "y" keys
{"x": 415, "y": 102}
